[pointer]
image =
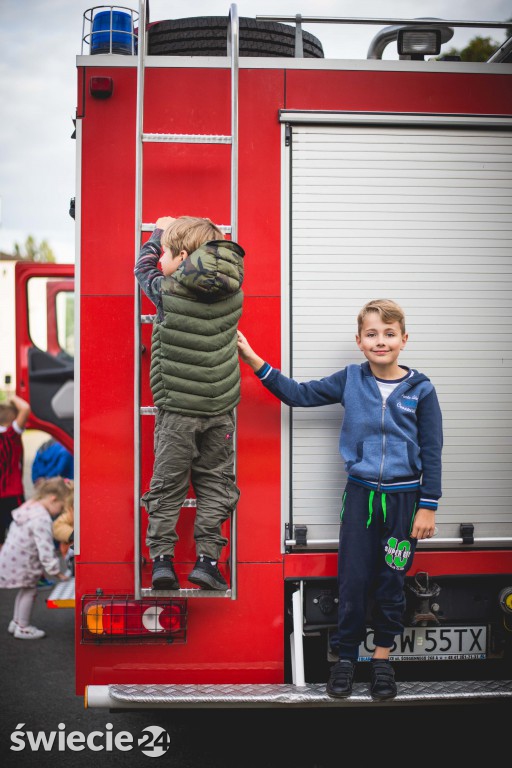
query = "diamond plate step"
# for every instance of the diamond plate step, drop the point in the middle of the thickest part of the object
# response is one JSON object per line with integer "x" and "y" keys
{"x": 285, "y": 695}
{"x": 193, "y": 592}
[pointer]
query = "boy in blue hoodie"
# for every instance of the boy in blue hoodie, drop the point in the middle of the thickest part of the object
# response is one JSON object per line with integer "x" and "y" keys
{"x": 391, "y": 441}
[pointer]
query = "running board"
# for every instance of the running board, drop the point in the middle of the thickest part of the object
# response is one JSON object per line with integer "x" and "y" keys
{"x": 285, "y": 695}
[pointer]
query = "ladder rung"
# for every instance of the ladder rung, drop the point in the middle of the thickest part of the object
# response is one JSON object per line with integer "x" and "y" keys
{"x": 148, "y": 410}
{"x": 149, "y": 319}
{"x": 226, "y": 228}
{"x": 187, "y": 138}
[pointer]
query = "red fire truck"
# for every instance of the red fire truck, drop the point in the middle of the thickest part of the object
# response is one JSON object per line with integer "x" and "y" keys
{"x": 343, "y": 180}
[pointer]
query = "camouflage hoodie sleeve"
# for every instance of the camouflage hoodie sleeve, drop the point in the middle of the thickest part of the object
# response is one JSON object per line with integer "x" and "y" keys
{"x": 146, "y": 269}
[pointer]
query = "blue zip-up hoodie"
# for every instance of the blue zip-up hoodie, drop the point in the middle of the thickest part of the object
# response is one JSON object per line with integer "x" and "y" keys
{"x": 388, "y": 446}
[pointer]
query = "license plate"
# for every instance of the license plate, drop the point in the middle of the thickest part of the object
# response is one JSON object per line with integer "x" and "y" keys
{"x": 433, "y": 644}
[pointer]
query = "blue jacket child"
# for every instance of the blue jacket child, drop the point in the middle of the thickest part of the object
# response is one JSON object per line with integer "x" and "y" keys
{"x": 52, "y": 459}
{"x": 391, "y": 441}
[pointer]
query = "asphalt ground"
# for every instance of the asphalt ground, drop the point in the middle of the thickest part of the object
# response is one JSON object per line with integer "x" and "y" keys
{"x": 37, "y": 699}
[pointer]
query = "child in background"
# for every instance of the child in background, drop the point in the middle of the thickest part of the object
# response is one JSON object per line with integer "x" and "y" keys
{"x": 29, "y": 550}
{"x": 52, "y": 459}
{"x": 63, "y": 530}
{"x": 63, "y": 526}
{"x": 14, "y": 413}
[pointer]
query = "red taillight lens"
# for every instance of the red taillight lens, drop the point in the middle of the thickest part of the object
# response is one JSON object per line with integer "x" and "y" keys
{"x": 117, "y": 618}
{"x": 101, "y": 87}
{"x": 162, "y": 618}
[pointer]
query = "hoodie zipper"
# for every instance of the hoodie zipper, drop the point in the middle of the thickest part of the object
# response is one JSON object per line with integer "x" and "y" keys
{"x": 382, "y": 415}
{"x": 381, "y": 469}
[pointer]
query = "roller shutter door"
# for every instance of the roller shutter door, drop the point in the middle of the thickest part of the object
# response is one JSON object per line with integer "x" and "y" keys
{"x": 422, "y": 215}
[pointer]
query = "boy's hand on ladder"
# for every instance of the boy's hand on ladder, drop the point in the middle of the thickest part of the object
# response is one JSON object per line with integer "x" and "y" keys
{"x": 163, "y": 222}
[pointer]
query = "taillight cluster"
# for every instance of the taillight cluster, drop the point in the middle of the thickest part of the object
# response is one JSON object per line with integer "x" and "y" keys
{"x": 116, "y": 618}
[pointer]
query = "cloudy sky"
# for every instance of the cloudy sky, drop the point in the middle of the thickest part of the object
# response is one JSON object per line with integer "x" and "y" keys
{"x": 40, "y": 42}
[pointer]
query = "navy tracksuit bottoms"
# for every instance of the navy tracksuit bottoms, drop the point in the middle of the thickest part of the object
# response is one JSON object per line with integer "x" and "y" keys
{"x": 375, "y": 552}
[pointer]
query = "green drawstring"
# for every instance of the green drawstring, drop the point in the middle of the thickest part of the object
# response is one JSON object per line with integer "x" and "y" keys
{"x": 412, "y": 519}
{"x": 370, "y": 509}
{"x": 343, "y": 506}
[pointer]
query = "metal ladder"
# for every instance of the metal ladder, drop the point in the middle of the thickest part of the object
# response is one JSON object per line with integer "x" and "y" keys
{"x": 140, "y": 227}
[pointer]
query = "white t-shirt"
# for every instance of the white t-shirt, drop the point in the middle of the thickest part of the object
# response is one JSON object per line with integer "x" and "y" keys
{"x": 386, "y": 386}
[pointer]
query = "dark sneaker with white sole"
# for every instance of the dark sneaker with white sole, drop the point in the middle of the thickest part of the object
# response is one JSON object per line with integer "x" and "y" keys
{"x": 163, "y": 576}
{"x": 207, "y": 575}
{"x": 341, "y": 679}
{"x": 382, "y": 685}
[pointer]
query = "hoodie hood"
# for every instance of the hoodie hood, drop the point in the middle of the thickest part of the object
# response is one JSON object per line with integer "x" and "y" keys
{"x": 211, "y": 273}
{"x": 28, "y": 512}
{"x": 415, "y": 376}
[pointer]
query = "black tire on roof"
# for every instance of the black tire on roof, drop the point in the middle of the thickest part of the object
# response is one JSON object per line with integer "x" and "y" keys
{"x": 207, "y": 36}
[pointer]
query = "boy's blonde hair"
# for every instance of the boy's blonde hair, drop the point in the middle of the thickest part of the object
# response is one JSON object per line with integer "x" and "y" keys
{"x": 58, "y": 486}
{"x": 389, "y": 312}
{"x": 187, "y": 233}
{"x": 8, "y": 413}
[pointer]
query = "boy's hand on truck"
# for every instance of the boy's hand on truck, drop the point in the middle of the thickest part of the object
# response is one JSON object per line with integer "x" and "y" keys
{"x": 247, "y": 353}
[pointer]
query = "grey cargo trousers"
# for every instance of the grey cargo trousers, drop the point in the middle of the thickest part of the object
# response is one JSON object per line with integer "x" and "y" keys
{"x": 195, "y": 450}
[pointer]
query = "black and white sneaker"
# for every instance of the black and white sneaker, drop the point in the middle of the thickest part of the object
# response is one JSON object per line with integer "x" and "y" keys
{"x": 164, "y": 576}
{"x": 207, "y": 575}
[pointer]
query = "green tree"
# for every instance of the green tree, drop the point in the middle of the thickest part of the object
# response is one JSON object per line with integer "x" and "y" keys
{"x": 31, "y": 251}
{"x": 478, "y": 49}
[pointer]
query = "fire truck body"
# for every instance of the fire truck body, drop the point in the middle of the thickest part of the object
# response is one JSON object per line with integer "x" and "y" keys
{"x": 355, "y": 179}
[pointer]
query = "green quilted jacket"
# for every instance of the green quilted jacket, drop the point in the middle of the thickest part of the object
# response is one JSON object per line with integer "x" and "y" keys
{"x": 194, "y": 354}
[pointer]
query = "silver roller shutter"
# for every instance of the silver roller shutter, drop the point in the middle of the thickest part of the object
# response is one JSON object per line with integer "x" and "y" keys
{"x": 423, "y": 215}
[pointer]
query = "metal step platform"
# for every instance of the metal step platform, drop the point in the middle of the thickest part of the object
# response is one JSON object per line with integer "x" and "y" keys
{"x": 62, "y": 595}
{"x": 194, "y": 592}
{"x": 286, "y": 695}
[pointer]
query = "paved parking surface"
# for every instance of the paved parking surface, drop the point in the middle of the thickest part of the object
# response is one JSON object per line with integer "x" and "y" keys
{"x": 37, "y": 696}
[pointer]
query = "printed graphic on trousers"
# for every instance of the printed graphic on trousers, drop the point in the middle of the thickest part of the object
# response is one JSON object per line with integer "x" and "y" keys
{"x": 397, "y": 553}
